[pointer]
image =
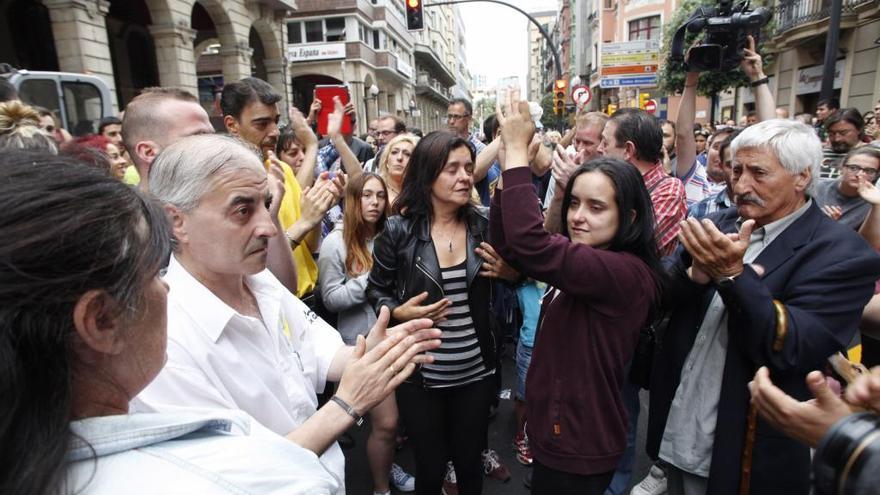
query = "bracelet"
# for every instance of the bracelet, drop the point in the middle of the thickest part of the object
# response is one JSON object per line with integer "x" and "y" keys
{"x": 293, "y": 242}
{"x": 781, "y": 325}
{"x": 759, "y": 82}
{"x": 358, "y": 419}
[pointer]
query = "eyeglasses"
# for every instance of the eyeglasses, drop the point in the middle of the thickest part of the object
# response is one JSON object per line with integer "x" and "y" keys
{"x": 385, "y": 133}
{"x": 855, "y": 169}
{"x": 840, "y": 133}
{"x": 455, "y": 116}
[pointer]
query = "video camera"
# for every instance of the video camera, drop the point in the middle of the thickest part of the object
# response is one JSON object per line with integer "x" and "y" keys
{"x": 726, "y": 28}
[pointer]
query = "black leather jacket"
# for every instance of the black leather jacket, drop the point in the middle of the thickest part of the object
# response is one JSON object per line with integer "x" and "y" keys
{"x": 405, "y": 265}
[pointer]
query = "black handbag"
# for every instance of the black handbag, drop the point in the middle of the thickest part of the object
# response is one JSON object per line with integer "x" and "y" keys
{"x": 643, "y": 358}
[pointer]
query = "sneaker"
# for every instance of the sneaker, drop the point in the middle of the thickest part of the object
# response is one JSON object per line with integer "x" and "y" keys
{"x": 402, "y": 480}
{"x": 523, "y": 451}
{"x": 450, "y": 483}
{"x": 493, "y": 468}
{"x": 653, "y": 484}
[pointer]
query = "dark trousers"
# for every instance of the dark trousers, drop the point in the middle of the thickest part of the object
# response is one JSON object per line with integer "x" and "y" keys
{"x": 548, "y": 481}
{"x": 447, "y": 424}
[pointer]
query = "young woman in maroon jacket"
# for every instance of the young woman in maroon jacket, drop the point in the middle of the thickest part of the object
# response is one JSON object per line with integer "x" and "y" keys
{"x": 603, "y": 272}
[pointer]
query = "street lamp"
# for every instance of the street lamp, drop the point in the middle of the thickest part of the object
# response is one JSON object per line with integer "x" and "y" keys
{"x": 373, "y": 91}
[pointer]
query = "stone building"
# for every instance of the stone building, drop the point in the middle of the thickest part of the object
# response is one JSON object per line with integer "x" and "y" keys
{"x": 798, "y": 47}
{"x": 192, "y": 44}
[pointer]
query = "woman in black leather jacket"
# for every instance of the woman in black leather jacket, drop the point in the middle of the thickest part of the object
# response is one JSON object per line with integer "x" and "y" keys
{"x": 426, "y": 265}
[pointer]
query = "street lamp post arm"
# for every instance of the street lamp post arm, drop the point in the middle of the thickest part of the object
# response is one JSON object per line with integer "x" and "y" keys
{"x": 521, "y": 11}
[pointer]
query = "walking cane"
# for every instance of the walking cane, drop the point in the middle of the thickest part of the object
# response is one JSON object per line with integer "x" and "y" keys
{"x": 752, "y": 424}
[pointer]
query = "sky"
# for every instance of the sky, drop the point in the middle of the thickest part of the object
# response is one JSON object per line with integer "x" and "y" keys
{"x": 497, "y": 38}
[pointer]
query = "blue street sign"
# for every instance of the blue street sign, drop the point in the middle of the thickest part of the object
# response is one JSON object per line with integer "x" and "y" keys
{"x": 634, "y": 81}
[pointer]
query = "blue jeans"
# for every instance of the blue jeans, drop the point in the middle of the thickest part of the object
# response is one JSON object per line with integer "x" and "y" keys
{"x": 620, "y": 481}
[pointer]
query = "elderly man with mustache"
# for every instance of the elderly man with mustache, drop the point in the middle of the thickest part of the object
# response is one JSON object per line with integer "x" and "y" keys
{"x": 773, "y": 282}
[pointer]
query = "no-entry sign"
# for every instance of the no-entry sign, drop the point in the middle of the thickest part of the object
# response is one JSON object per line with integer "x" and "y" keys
{"x": 581, "y": 95}
{"x": 651, "y": 106}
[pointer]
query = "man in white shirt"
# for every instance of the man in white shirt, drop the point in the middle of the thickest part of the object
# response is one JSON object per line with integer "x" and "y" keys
{"x": 237, "y": 338}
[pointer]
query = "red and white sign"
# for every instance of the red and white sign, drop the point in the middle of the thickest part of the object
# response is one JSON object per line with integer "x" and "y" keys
{"x": 651, "y": 106}
{"x": 581, "y": 95}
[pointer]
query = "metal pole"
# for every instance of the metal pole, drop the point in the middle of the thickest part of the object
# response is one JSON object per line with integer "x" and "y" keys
{"x": 523, "y": 12}
{"x": 831, "y": 50}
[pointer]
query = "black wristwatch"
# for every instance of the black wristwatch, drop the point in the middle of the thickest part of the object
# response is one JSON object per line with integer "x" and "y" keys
{"x": 725, "y": 282}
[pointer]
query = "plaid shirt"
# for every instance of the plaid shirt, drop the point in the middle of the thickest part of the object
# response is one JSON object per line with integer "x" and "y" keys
{"x": 710, "y": 205}
{"x": 670, "y": 207}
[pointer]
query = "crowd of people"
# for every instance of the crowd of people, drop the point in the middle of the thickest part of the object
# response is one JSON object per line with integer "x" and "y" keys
{"x": 187, "y": 310}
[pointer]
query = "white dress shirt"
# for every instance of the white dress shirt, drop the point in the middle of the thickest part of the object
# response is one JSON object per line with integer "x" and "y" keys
{"x": 271, "y": 368}
{"x": 194, "y": 452}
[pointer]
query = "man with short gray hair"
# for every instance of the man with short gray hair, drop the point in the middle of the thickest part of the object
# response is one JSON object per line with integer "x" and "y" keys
{"x": 773, "y": 282}
{"x": 237, "y": 339}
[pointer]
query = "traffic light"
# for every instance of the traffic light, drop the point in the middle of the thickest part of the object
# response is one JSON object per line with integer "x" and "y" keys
{"x": 560, "y": 91}
{"x": 415, "y": 19}
{"x": 643, "y": 99}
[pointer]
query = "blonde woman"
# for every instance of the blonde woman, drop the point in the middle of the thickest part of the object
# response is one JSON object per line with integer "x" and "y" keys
{"x": 393, "y": 163}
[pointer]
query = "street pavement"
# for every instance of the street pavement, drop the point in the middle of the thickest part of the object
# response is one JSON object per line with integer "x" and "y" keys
{"x": 501, "y": 432}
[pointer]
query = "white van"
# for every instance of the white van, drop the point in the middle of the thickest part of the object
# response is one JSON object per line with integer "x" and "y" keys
{"x": 79, "y": 100}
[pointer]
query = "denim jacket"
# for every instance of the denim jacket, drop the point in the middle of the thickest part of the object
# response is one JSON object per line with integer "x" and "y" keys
{"x": 194, "y": 451}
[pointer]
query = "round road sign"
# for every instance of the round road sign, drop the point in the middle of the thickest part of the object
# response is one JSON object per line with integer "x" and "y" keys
{"x": 581, "y": 95}
{"x": 651, "y": 106}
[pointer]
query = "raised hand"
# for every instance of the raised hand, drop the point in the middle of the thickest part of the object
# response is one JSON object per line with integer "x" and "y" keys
{"x": 563, "y": 166}
{"x": 301, "y": 129}
{"x": 715, "y": 254}
{"x": 392, "y": 356}
{"x": 314, "y": 110}
{"x": 752, "y": 64}
{"x": 869, "y": 191}
{"x": 276, "y": 185}
{"x": 334, "y": 120}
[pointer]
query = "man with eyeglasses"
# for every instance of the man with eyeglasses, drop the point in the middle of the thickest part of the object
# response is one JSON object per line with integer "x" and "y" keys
{"x": 387, "y": 127}
{"x": 839, "y": 198}
{"x": 844, "y": 129}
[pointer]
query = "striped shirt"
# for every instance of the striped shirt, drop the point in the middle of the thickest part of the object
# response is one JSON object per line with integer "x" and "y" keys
{"x": 458, "y": 360}
{"x": 668, "y": 198}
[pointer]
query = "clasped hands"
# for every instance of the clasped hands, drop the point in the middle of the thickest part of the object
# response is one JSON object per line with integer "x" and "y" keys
{"x": 384, "y": 359}
{"x": 715, "y": 255}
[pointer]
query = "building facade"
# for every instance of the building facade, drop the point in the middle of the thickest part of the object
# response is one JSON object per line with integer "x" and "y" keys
{"x": 538, "y": 78}
{"x": 358, "y": 43}
{"x": 798, "y": 47}
{"x": 195, "y": 45}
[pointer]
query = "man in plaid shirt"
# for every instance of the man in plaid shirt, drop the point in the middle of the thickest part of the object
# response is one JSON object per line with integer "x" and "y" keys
{"x": 635, "y": 136}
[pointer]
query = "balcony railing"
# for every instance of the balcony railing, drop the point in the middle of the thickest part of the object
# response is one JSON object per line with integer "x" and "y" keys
{"x": 793, "y": 13}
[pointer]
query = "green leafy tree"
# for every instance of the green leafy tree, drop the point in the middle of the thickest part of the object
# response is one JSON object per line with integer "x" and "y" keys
{"x": 672, "y": 74}
{"x": 548, "y": 118}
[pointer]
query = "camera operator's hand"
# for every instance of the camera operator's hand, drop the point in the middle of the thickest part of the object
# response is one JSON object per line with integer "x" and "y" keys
{"x": 752, "y": 64}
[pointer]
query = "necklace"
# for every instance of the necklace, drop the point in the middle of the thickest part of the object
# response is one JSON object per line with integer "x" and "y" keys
{"x": 450, "y": 237}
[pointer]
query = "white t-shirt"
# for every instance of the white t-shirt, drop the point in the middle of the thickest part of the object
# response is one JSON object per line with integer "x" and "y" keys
{"x": 219, "y": 358}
